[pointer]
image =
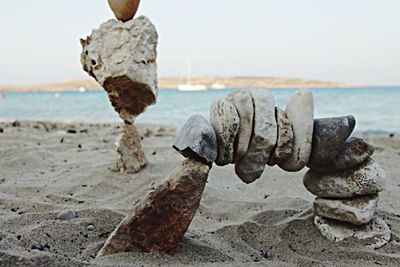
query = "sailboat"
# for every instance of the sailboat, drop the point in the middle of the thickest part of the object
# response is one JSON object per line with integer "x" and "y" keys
{"x": 188, "y": 86}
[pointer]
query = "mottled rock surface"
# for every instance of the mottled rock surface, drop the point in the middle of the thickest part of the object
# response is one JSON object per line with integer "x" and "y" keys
{"x": 359, "y": 210}
{"x": 300, "y": 112}
{"x": 329, "y": 136}
{"x": 284, "y": 144}
{"x": 244, "y": 105}
{"x": 367, "y": 179}
{"x": 225, "y": 121}
{"x": 374, "y": 234}
{"x": 251, "y": 166}
{"x": 124, "y": 9}
{"x": 159, "y": 222}
{"x": 197, "y": 139}
{"x": 355, "y": 152}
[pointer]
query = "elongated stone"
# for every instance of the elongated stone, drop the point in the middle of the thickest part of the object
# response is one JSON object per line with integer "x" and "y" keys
{"x": 244, "y": 105}
{"x": 159, "y": 222}
{"x": 251, "y": 166}
{"x": 225, "y": 121}
{"x": 355, "y": 152}
{"x": 284, "y": 144}
{"x": 359, "y": 210}
{"x": 329, "y": 137}
{"x": 374, "y": 234}
{"x": 367, "y": 179}
{"x": 197, "y": 139}
{"x": 300, "y": 112}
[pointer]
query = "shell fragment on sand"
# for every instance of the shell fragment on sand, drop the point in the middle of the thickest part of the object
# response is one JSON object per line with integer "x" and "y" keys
{"x": 225, "y": 121}
{"x": 124, "y": 10}
{"x": 300, "y": 112}
{"x": 197, "y": 139}
{"x": 251, "y": 166}
{"x": 329, "y": 136}
{"x": 374, "y": 234}
{"x": 358, "y": 210}
{"x": 122, "y": 58}
{"x": 367, "y": 179}
{"x": 159, "y": 222}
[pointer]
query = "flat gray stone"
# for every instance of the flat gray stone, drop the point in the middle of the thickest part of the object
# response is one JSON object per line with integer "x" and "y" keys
{"x": 284, "y": 144}
{"x": 300, "y": 112}
{"x": 355, "y": 152}
{"x": 251, "y": 166}
{"x": 367, "y": 179}
{"x": 197, "y": 139}
{"x": 225, "y": 121}
{"x": 374, "y": 234}
{"x": 244, "y": 105}
{"x": 329, "y": 137}
{"x": 359, "y": 210}
{"x": 67, "y": 215}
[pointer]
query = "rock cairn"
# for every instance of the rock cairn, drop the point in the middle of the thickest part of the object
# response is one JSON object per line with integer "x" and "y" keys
{"x": 121, "y": 55}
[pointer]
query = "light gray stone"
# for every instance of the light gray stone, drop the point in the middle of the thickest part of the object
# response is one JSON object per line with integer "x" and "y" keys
{"x": 251, "y": 166}
{"x": 359, "y": 210}
{"x": 374, "y": 234}
{"x": 284, "y": 144}
{"x": 225, "y": 121}
{"x": 367, "y": 179}
{"x": 244, "y": 105}
{"x": 300, "y": 112}
{"x": 197, "y": 139}
{"x": 67, "y": 215}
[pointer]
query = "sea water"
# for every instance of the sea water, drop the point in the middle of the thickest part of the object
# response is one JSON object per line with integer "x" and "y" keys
{"x": 376, "y": 109}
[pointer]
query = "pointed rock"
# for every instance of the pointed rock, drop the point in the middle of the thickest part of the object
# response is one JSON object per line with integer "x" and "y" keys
{"x": 250, "y": 167}
{"x": 359, "y": 210}
{"x": 329, "y": 137}
{"x": 284, "y": 145}
{"x": 124, "y": 10}
{"x": 367, "y": 179}
{"x": 197, "y": 139}
{"x": 354, "y": 153}
{"x": 159, "y": 222}
{"x": 300, "y": 112}
{"x": 225, "y": 121}
{"x": 244, "y": 105}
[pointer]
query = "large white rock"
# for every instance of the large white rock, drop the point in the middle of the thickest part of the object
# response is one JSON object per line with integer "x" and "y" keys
{"x": 251, "y": 166}
{"x": 358, "y": 210}
{"x": 122, "y": 58}
{"x": 374, "y": 234}
{"x": 300, "y": 112}
{"x": 367, "y": 179}
{"x": 225, "y": 121}
{"x": 244, "y": 105}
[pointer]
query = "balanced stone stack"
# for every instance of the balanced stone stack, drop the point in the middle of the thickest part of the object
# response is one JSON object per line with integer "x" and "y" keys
{"x": 346, "y": 181}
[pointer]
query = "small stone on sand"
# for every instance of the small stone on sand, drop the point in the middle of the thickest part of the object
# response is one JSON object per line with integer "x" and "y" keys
{"x": 67, "y": 215}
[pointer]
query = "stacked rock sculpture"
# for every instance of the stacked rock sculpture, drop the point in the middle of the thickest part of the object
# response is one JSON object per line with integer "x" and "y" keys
{"x": 121, "y": 56}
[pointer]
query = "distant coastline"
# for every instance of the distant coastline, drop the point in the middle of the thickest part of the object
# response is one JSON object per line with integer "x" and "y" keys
{"x": 173, "y": 82}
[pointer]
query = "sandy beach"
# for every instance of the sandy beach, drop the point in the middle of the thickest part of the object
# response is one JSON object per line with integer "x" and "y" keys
{"x": 50, "y": 167}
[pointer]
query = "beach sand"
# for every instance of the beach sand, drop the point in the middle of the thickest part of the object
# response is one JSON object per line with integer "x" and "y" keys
{"x": 45, "y": 170}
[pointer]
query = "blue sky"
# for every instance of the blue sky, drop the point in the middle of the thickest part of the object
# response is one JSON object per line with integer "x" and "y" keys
{"x": 356, "y": 41}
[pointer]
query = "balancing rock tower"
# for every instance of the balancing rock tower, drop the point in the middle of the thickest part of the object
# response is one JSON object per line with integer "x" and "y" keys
{"x": 121, "y": 55}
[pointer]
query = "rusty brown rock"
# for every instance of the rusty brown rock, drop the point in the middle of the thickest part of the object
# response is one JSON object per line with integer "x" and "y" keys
{"x": 124, "y": 10}
{"x": 159, "y": 222}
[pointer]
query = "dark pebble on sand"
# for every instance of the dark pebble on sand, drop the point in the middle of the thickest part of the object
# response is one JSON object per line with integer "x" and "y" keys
{"x": 391, "y": 135}
{"x": 1, "y": 130}
{"x": 79, "y": 146}
{"x": 16, "y": 124}
{"x": 62, "y": 140}
{"x": 84, "y": 131}
{"x": 39, "y": 246}
{"x": 71, "y": 131}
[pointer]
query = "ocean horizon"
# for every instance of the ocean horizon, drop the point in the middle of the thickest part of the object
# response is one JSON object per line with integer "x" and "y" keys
{"x": 376, "y": 109}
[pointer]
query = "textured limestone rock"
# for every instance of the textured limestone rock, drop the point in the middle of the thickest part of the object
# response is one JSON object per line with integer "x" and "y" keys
{"x": 159, "y": 222}
{"x": 250, "y": 167}
{"x": 244, "y": 105}
{"x": 284, "y": 144}
{"x": 225, "y": 121}
{"x": 367, "y": 179}
{"x": 130, "y": 154}
{"x": 300, "y": 112}
{"x": 374, "y": 234}
{"x": 354, "y": 153}
{"x": 329, "y": 136}
{"x": 124, "y": 9}
{"x": 197, "y": 139}
{"x": 358, "y": 210}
